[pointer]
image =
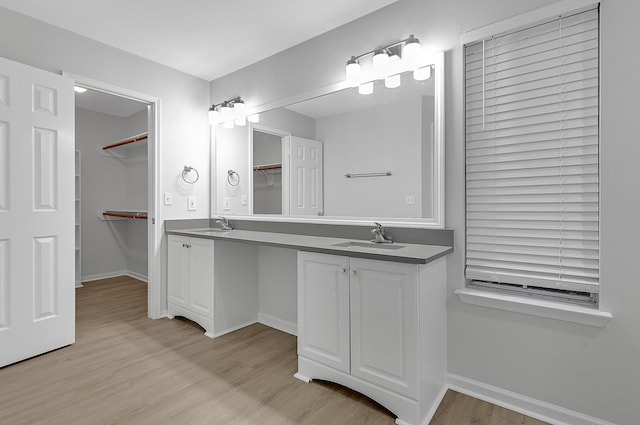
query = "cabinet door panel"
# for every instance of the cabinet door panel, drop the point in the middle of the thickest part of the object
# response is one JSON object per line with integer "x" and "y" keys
{"x": 201, "y": 276}
{"x": 178, "y": 270}
{"x": 384, "y": 331}
{"x": 323, "y": 309}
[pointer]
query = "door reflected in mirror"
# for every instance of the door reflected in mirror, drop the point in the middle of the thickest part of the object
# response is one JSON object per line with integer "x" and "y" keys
{"x": 341, "y": 155}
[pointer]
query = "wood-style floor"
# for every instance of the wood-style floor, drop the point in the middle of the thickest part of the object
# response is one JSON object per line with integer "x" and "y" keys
{"x": 127, "y": 369}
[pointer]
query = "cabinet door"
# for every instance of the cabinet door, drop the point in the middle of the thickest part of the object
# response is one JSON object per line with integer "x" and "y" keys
{"x": 384, "y": 324}
{"x": 323, "y": 309}
{"x": 200, "y": 292}
{"x": 178, "y": 270}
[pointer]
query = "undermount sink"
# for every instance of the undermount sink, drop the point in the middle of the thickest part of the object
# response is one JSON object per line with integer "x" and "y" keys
{"x": 370, "y": 245}
{"x": 211, "y": 231}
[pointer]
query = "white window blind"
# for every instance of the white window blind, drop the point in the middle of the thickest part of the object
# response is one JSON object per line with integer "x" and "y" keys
{"x": 532, "y": 136}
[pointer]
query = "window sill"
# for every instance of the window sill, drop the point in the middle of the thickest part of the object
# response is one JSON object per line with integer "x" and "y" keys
{"x": 535, "y": 307}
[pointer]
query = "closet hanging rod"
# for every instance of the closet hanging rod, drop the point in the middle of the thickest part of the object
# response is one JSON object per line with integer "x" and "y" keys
{"x": 142, "y": 215}
{"x": 382, "y": 174}
{"x": 137, "y": 138}
{"x": 267, "y": 167}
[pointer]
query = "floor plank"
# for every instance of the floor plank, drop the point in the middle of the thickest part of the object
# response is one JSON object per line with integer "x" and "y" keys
{"x": 126, "y": 369}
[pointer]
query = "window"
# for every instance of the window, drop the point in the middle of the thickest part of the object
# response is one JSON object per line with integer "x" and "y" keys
{"x": 532, "y": 169}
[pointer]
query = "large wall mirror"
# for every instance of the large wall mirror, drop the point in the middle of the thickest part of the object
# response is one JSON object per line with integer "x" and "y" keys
{"x": 337, "y": 156}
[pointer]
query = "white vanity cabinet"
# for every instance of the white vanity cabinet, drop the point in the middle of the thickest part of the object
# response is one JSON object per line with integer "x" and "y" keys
{"x": 377, "y": 327}
{"x": 216, "y": 288}
{"x": 190, "y": 279}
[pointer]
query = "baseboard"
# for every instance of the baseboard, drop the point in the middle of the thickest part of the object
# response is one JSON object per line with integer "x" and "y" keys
{"x": 435, "y": 405}
{"x": 537, "y": 409}
{"x": 279, "y": 324}
{"x": 101, "y": 276}
{"x": 139, "y": 276}
{"x": 229, "y": 330}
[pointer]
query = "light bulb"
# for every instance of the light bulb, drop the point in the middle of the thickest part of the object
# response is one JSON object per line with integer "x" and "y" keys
{"x": 392, "y": 81}
{"x": 255, "y": 118}
{"x": 380, "y": 62}
{"x": 239, "y": 107}
{"x": 213, "y": 116}
{"x": 423, "y": 73}
{"x": 366, "y": 88}
{"x": 225, "y": 112}
{"x": 228, "y": 124}
{"x": 352, "y": 71}
{"x": 411, "y": 50}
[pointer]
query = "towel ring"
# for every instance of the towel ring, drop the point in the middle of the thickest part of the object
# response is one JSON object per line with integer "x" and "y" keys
{"x": 186, "y": 171}
{"x": 233, "y": 181}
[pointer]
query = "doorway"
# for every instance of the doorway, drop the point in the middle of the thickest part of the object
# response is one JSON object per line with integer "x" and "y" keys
{"x": 136, "y": 164}
{"x": 269, "y": 152}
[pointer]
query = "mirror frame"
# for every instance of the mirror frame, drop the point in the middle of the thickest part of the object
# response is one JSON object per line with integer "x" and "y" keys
{"x": 438, "y": 201}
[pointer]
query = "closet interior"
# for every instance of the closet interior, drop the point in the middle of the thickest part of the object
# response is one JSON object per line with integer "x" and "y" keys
{"x": 111, "y": 186}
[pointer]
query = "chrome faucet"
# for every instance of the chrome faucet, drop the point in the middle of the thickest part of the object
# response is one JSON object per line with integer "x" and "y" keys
{"x": 379, "y": 235}
{"x": 224, "y": 223}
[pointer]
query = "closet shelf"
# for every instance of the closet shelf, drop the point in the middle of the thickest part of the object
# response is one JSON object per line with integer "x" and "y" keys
{"x": 142, "y": 215}
{"x": 138, "y": 138}
{"x": 267, "y": 167}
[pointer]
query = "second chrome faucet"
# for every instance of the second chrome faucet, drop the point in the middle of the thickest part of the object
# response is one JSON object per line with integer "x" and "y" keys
{"x": 379, "y": 234}
{"x": 224, "y": 223}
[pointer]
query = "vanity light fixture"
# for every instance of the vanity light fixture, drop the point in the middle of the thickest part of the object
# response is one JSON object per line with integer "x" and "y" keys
{"x": 229, "y": 113}
{"x": 387, "y": 63}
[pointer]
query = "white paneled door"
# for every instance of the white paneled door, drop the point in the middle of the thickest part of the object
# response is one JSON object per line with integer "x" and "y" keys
{"x": 37, "y": 298}
{"x": 306, "y": 177}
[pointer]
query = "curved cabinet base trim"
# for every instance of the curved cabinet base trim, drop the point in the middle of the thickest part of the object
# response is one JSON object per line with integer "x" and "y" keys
{"x": 207, "y": 324}
{"x": 406, "y": 410}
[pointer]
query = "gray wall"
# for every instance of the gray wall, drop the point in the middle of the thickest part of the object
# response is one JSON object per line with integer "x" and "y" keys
{"x": 585, "y": 369}
{"x": 377, "y": 139}
{"x": 112, "y": 247}
{"x": 267, "y": 185}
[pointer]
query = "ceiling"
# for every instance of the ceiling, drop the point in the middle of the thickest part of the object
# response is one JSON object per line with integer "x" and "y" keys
{"x": 108, "y": 103}
{"x": 204, "y": 38}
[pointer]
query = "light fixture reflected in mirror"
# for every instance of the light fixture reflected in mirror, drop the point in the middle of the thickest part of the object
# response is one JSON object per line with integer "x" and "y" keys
{"x": 392, "y": 81}
{"x": 423, "y": 73}
{"x": 366, "y": 88}
{"x": 387, "y": 63}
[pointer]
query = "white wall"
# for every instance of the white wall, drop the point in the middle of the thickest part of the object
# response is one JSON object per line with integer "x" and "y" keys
{"x": 373, "y": 140}
{"x": 184, "y": 131}
{"x": 589, "y": 370}
{"x": 102, "y": 182}
{"x": 137, "y": 197}
{"x": 267, "y": 185}
{"x": 232, "y": 153}
{"x": 277, "y": 287}
{"x": 116, "y": 183}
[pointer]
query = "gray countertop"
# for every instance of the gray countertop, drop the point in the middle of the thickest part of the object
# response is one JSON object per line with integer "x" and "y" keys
{"x": 398, "y": 252}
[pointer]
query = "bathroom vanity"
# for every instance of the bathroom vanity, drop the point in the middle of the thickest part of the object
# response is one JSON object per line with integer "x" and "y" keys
{"x": 312, "y": 177}
{"x": 371, "y": 316}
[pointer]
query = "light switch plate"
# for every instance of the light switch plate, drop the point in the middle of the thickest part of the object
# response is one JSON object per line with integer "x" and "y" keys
{"x": 168, "y": 198}
{"x": 410, "y": 200}
{"x": 244, "y": 200}
{"x": 226, "y": 204}
{"x": 192, "y": 203}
